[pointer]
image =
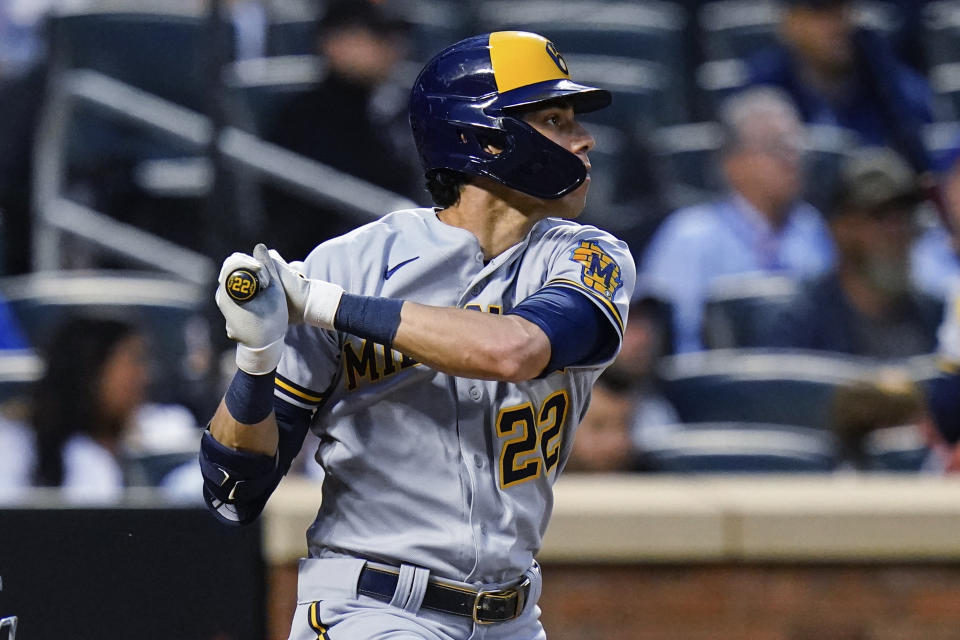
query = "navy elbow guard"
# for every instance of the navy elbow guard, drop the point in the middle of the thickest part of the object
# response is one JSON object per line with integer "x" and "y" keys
{"x": 236, "y": 484}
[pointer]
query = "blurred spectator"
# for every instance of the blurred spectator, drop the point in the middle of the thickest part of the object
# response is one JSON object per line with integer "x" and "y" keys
{"x": 646, "y": 339}
{"x": 602, "y": 442}
{"x": 867, "y": 306}
{"x": 863, "y": 410}
{"x": 760, "y": 226}
{"x": 343, "y": 122}
{"x": 843, "y": 76}
{"x": 89, "y": 416}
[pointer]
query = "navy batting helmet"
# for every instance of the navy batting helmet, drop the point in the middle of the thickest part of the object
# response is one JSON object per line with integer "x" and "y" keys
{"x": 462, "y": 100}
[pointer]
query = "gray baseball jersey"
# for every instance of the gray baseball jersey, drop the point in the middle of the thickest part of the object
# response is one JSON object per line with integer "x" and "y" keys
{"x": 448, "y": 473}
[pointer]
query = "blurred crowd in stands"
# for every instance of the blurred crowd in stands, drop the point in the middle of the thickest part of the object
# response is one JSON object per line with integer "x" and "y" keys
{"x": 786, "y": 173}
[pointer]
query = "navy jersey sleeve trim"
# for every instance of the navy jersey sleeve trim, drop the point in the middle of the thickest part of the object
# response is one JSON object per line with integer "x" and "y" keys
{"x": 579, "y": 331}
{"x": 295, "y": 394}
{"x": 606, "y": 304}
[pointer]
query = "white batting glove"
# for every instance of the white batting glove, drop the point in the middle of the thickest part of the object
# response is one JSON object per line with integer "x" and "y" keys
{"x": 260, "y": 324}
{"x": 309, "y": 300}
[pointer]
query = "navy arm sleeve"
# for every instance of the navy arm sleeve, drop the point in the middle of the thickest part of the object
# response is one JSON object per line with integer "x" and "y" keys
{"x": 579, "y": 332}
{"x": 237, "y": 484}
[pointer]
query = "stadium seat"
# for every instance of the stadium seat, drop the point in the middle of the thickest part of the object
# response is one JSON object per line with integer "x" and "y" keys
{"x": 737, "y": 28}
{"x": 718, "y": 79}
{"x": 732, "y": 447}
{"x": 161, "y": 52}
{"x": 945, "y": 82}
{"x": 18, "y": 371}
{"x": 170, "y": 310}
{"x": 740, "y": 309}
{"x": 689, "y": 158}
{"x": 896, "y": 449}
{"x": 643, "y": 96}
{"x": 774, "y": 387}
{"x": 258, "y": 89}
{"x": 941, "y": 32}
{"x": 291, "y": 37}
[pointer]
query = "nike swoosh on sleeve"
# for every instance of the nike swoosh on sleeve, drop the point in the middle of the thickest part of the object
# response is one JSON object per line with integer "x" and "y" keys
{"x": 390, "y": 271}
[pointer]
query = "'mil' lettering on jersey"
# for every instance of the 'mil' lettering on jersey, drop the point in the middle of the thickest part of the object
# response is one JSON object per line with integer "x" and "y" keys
{"x": 372, "y": 362}
{"x": 599, "y": 271}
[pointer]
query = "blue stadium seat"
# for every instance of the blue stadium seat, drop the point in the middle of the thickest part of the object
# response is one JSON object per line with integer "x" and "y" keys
{"x": 18, "y": 371}
{"x": 945, "y": 82}
{"x": 716, "y": 80}
{"x": 774, "y": 387}
{"x": 740, "y": 310}
{"x": 689, "y": 159}
{"x": 158, "y": 51}
{"x": 643, "y": 96}
{"x": 161, "y": 52}
{"x": 170, "y": 310}
{"x": 896, "y": 449}
{"x": 731, "y": 447}
{"x": 738, "y": 28}
{"x": 259, "y": 89}
{"x": 292, "y": 37}
{"x": 941, "y": 32}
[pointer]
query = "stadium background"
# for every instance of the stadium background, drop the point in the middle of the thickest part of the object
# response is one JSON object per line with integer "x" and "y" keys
{"x": 135, "y": 160}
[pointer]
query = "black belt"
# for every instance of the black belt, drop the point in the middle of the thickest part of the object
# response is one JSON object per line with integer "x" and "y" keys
{"x": 483, "y": 607}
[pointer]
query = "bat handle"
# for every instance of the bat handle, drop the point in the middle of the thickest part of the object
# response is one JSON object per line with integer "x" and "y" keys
{"x": 242, "y": 285}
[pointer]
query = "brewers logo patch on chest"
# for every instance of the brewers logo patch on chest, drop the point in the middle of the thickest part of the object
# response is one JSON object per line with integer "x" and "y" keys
{"x": 599, "y": 271}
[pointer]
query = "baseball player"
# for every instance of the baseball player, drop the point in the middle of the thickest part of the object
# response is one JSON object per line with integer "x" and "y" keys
{"x": 444, "y": 357}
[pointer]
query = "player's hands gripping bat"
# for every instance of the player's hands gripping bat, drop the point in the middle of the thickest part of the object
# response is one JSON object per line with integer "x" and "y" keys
{"x": 259, "y": 322}
{"x": 309, "y": 300}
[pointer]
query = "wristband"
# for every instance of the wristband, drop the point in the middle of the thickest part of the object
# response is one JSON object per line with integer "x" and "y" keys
{"x": 249, "y": 398}
{"x": 367, "y": 317}
{"x": 260, "y": 361}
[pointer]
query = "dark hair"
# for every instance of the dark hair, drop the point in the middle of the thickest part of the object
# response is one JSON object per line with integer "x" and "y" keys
{"x": 444, "y": 186}
{"x": 66, "y": 398}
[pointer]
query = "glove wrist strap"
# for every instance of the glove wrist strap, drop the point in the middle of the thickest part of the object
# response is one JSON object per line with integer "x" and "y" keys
{"x": 322, "y": 304}
{"x": 259, "y": 361}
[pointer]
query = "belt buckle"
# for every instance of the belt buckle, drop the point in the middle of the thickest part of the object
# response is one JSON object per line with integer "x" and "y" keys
{"x": 520, "y": 592}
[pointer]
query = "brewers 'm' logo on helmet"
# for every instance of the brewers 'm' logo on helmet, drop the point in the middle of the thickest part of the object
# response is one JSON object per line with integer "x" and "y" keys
{"x": 557, "y": 58}
{"x": 600, "y": 272}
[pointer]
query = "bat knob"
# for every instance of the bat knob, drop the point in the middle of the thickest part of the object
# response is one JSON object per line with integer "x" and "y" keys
{"x": 242, "y": 285}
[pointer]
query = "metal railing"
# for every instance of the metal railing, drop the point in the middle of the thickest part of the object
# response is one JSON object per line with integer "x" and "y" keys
{"x": 57, "y": 216}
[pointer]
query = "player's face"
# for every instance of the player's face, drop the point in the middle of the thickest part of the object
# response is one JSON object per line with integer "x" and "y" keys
{"x": 558, "y": 122}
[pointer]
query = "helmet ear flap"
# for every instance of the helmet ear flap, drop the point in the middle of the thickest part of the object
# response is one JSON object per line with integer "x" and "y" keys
{"x": 534, "y": 164}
